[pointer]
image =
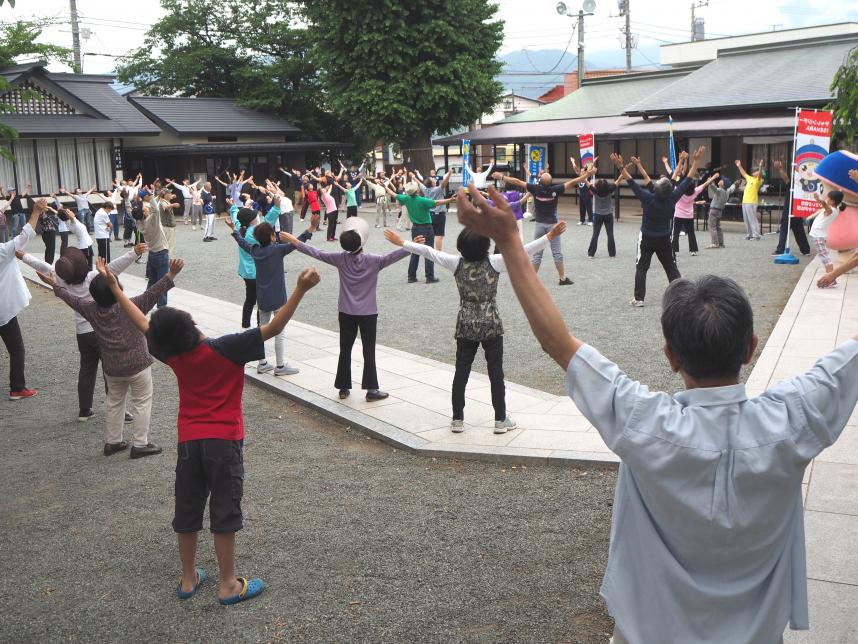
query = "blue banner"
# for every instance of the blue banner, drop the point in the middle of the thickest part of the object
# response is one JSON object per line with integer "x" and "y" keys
{"x": 466, "y": 162}
{"x": 672, "y": 146}
{"x": 536, "y": 157}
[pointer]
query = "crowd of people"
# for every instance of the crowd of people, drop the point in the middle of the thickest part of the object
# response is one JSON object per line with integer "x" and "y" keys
{"x": 703, "y": 539}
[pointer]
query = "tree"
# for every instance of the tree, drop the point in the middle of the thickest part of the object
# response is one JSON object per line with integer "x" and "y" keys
{"x": 250, "y": 50}
{"x": 403, "y": 70}
{"x": 844, "y": 87}
{"x": 17, "y": 40}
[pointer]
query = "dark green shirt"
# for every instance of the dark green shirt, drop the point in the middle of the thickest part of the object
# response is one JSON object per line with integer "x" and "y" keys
{"x": 418, "y": 208}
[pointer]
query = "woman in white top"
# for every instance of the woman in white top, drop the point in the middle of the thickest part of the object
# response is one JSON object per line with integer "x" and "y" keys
{"x": 16, "y": 296}
{"x": 832, "y": 206}
{"x": 103, "y": 227}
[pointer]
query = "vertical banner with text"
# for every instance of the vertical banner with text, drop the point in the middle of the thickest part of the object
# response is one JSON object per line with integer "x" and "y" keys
{"x": 535, "y": 160}
{"x": 812, "y": 138}
{"x": 587, "y": 148}
{"x": 466, "y": 162}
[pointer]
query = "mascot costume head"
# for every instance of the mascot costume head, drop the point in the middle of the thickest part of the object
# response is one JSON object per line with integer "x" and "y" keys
{"x": 833, "y": 173}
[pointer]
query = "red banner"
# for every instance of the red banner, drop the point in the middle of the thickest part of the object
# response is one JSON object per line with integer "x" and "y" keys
{"x": 812, "y": 138}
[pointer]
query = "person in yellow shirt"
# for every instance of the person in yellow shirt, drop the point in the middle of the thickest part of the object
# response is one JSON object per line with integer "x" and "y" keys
{"x": 750, "y": 198}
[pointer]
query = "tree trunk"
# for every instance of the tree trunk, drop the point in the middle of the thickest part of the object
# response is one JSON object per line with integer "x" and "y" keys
{"x": 417, "y": 153}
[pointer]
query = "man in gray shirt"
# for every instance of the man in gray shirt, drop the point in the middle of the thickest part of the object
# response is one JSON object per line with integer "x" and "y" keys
{"x": 158, "y": 260}
{"x": 432, "y": 189}
{"x": 719, "y": 193}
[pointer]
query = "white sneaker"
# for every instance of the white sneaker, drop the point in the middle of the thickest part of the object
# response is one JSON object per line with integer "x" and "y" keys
{"x": 694, "y": 254}
{"x": 580, "y": 223}
{"x": 637, "y": 303}
{"x": 264, "y": 367}
{"x": 286, "y": 370}
{"x": 457, "y": 426}
{"x": 502, "y": 426}
{"x": 589, "y": 223}
{"x": 193, "y": 227}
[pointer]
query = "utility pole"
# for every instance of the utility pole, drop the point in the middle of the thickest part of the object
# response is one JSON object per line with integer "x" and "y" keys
{"x": 695, "y": 6}
{"x": 627, "y": 32}
{"x": 75, "y": 29}
{"x": 580, "y": 48}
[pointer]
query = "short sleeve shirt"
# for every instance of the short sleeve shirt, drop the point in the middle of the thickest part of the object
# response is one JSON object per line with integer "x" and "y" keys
{"x": 211, "y": 384}
{"x": 604, "y": 205}
{"x": 752, "y": 190}
{"x": 545, "y": 201}
{"x": 419, "y": 208}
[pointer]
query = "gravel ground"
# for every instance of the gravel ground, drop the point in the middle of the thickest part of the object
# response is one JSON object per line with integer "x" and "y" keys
{"x": 420, "y": 318}
{"x": 357, "y": 541}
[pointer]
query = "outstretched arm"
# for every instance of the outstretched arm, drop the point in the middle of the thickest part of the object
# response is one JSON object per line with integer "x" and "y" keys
{"x": 741, "y": 169}
{"x": 419, "y": 247}
{"x": 510, "y": 181}
{"x": 568, "y": 185}
{"x": 542, "y": 313}
{"x": 532, "y": 247}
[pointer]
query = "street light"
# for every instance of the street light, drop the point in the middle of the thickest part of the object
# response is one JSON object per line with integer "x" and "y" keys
{"x": 587, "y": 9}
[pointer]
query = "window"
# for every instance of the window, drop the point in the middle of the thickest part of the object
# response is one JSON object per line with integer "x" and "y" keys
{"x": 558, "y": 159}
{"x": 30, "y": 99}
{"x": 86, "y": 163}
{"x": 68, "y": 165}
{"x": 7, "y": 172}
{"x": 48, "y": 177}
{"x": 603, "y": 151}
{"x": 662, "y": 149}
{"x": 104, "y": 161}
{"x": 646, "y": 149}
{"x": 25, "y": 159}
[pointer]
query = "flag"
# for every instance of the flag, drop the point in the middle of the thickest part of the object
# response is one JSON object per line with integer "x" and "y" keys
{"x": 812, "y": 139}
{"x": 466, "y": 162}
{"x": 672, "y": 146}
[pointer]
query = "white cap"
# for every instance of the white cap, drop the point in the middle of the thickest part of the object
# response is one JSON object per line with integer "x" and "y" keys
{"x": 411, "y": 188}
{"x": 360, "y": 226}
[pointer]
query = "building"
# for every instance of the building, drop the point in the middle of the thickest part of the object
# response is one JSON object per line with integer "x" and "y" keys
{"x": 740, "y": 105}
{"x": 78, "y": 131}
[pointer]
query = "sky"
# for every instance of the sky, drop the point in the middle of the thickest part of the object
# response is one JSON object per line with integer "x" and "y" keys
{"x": 529, "y": 24}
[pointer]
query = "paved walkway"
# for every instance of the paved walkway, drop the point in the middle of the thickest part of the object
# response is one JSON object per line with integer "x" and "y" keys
{"x": 417, "y": 414}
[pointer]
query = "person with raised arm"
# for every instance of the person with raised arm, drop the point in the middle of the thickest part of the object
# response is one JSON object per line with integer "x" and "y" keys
{"x": 657, "y": 222}
{"x": 795, "y": 224}
{"x": 432, "y": 188}
{"x": 546, "y": 194}
{"x": 14, "y": 298}
{"x": 357, "y": 304}
{"x": 719, "y": 193}
{"x": 419, "y": 212}
{"x": 351, "y": 190}
{"x": 210, "y": 427}
{"x": 603, "y": 214}
{"x": 750, "y": 199}
{"x": 585, "y": 197}
{"x": 478, "y": 322}
{"x": 73, "y": 273}
{"x": 81, "y": 202}
{"x": 382, "y": 203}
{"x": 684, "y": 214}
{"x": 707, "y": 541}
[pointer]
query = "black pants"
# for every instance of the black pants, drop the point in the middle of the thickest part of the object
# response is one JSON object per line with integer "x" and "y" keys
{"x": 249, "y": 302}
{"x": 687, "y": 225}
{"x": 428, "y": 231}
{"x": 104, "y": 248}
{"x": 796, "y": 225}
{"x": 349, "y": 326}
{"x": 332, "y": 223}
{"x": 64, "y": 241}
{"x": 465, "y": 352}
{"x": 585, "y": 207}
{"x": 87, "y": 252}
{"x": 127, "y": 229}
{"x": 11, "y": 334}
{"x": 90, "y": 356}
{"x": 50, "y": 239}
{"x": 661, "y": 247}
{"x": 608, "y": 222}
{"x": 351, "y": 211}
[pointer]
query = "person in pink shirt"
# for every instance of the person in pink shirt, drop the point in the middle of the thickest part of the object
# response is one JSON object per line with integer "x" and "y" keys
{"x": 683, "y": 216}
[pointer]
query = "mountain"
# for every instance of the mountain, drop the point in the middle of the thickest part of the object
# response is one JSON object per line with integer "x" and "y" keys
{"x": 531, "y": 73}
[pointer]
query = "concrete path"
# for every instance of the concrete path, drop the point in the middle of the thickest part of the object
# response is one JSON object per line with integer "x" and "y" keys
{"x": 417, "y": 414}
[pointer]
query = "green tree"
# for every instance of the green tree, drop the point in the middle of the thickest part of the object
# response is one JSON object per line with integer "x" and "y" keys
{"x": 252, "y": 50}
{"x": 17, "y": 40}
{"x": 845, "y": 104}
{"x": 403, "y": 70}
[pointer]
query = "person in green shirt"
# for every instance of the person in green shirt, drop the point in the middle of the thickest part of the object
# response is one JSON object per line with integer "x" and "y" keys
{"x": 750, "y": 197}
{"x": 420, "y": 212}
{"x": 351, "y": 196}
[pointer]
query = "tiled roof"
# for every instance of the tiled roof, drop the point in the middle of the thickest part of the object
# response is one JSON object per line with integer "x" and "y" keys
{"x": 209, "y": 116}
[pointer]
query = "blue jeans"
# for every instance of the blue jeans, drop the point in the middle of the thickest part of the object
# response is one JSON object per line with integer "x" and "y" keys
{"x": 115, "y": 224}
{"x": 157, "y": 266}
{"x": 84, "y": 215}
{"x": 429, "y": 233}
{"x": 18, "y": 221}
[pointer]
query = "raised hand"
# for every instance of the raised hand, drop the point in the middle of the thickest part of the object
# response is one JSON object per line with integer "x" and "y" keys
{"x": 618, "y": 160}
{"x": 738, "y": 163}
{"x": 393, "y": 237}
{"x": 47, "y": 279}
{"x": 139, "y": 249}
{"x": 289, "y": 237}
{"x": 229, "y": 223}
{"x": 778, "y": 165}
{"x": 698, "y": 153}
{"x": 497, "y": 222}
{"x": 556, "y": 230}
{"x": 176, "y": 266}
{"x": 308, "y": 278}
{"x": 105, "y": 272}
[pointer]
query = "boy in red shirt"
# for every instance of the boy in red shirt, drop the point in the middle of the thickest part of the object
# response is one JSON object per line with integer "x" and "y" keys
{"x": 210, "y": 375}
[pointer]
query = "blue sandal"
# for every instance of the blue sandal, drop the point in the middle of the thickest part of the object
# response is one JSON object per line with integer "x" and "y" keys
{"x": 249, "y": 590}
{"x": 201, "y": 577}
